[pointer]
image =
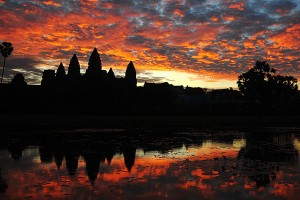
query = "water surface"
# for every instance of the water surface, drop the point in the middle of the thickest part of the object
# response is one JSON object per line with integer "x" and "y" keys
{"x": 147, "y": 164}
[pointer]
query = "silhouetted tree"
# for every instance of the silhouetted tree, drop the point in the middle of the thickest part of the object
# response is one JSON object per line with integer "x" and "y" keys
{"x": 61, "y": 72}
{"x": 130, "y": 75}
{"x": 260, "y": 84}
{"x": 284, "y": 86}
{"x": 6, "y": 49}
{"x": 74, "y": 68}
{"x": 18, "y": 80}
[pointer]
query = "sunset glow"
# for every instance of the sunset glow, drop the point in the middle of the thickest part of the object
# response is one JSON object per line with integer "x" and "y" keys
{"x": 200, "y": 43}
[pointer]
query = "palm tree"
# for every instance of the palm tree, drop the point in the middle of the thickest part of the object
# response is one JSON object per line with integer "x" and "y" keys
{"x": 6, "y": 48}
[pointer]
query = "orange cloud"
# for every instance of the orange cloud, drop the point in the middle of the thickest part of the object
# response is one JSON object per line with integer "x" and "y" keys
{"x": 238, "y": 6}
{"x": 178, "y": 12}
{"x": 51, "y": 3}
{"x": 290, "y": 38}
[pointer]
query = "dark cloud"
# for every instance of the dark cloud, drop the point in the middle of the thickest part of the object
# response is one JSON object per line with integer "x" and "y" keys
{"x": 280, "y": 7}
{"x": 144, "y": 76}
{"x": 26, "y": 66}
{"x": 138, "y": 40}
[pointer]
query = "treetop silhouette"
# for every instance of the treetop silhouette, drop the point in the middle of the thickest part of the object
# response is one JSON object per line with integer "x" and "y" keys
{"x": 6, "y": 49}
{"x": 18, "y": 80}
{"x": 260, "y": 84}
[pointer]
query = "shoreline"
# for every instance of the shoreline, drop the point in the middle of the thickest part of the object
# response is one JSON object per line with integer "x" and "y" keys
{"x": 54, "y": 122}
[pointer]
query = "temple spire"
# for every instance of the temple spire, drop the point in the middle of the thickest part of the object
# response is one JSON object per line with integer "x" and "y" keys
{"x": 61, "y": 72}
{"x": 94, "y": 62}
{"x": 111, "y": 74}
{"x": 130, "y": 75}
{"x": 74, "y": 67}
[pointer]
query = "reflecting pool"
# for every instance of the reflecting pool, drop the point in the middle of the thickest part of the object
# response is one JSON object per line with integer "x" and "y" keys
{"x": 148, "y": 164}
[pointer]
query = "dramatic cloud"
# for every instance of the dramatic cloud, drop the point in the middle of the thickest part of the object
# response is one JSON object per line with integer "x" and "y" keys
{"x": 212, "y": 39}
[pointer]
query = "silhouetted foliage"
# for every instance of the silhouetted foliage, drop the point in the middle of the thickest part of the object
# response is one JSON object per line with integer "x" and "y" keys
{"x": 6, "y": 49}
{"x": 260, "y": 84}
{"x": 18, "y": 80}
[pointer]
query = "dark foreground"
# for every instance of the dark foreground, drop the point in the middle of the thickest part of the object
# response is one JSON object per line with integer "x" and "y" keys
{"x": 26, "y": 122}
{"x": 144, "y": 163}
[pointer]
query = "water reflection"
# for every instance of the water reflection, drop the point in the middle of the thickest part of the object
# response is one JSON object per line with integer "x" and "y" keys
{"x": 150, "y": 165}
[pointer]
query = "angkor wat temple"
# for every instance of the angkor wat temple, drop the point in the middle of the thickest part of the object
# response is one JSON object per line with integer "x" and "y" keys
{"x": 94, "y": 76}
{"x": 102, "y": 93}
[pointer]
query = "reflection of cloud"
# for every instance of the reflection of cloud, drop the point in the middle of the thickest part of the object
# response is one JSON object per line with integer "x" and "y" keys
{"x": 179, "y": 173}
{"x": 213, "y": 37}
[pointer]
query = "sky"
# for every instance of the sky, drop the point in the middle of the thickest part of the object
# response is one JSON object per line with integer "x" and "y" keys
{"x": 198, "y": 43}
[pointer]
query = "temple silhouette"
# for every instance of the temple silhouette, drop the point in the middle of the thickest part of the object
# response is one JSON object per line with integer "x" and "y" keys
{"x": 100, "y": 92}
{"x": 94, "y": 77}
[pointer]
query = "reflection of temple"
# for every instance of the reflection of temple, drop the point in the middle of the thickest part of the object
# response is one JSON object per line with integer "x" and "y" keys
{"x": 72, "y": 162}
{"x": 58, "y": 158}
{"x": 129, "y": 156}
{"x": 93, "y": 156}
{"x": 95, "y": 149}
{"x": 45, "y": 155}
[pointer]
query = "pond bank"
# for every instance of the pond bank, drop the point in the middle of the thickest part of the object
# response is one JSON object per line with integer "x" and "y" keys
{"x": 52, "y": 122}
